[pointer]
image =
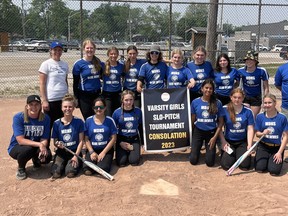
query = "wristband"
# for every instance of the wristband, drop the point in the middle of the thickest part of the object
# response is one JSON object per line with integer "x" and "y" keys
{"x": 91, "y": 152}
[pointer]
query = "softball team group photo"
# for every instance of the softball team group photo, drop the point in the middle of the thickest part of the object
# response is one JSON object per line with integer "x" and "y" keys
{"x": 230, "y": 109}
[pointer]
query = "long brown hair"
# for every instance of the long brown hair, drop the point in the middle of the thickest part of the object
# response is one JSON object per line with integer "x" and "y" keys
{"x": 95, "y": 61}
{"x": 230, "y": 107}
{"x": 213, "y": 109}
{"x": 128, "y": 61}
{"x": 107, "y": 63}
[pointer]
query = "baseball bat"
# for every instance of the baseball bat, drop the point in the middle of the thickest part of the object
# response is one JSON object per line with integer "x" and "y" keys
{"x": 242, "y": 158}
{"x": 92, "y": 165}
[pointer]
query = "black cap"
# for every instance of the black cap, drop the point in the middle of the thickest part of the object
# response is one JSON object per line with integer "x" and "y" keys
{"x": 32, "y": 98}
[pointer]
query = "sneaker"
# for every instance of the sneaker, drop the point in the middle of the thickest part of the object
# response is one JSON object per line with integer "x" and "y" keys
{"x": 88, "y": 172}
{"x": 70, "y": 175}
{"x": 21, "y": 174}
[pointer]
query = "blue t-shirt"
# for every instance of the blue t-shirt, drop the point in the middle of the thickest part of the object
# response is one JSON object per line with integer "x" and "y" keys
{"x": 154, "y": 75}
{"x": 277, "y": 125}
{"x": 177, "y": 78}
{"x": 33, "y": 130}
{"x": 281, "y": 79}
{"x": 252, "y": 80}
{"x": 100, "y": 135}
{"x": 225, "y": 82}
{"x": 127, "y": 121}
{"x": 204, "y": 120}
{"x": 89, "y": 77}
{"x": 112, "y": 83}
{"x": 238, "y": 131}
{"x": 131, "y": 77}
{"x": 69, "y": 134}
{"x": 200, "y": 73}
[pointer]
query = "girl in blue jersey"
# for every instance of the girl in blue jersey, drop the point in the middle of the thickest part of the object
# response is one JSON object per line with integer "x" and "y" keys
{"x": 177, "y": 75}
{"x": 67, "y": 131}
{"x": 252, "y": 76}
{"x": 225, "y": 78}
{"x": 112, "y": 86}
{"x": 273, "y": 125}
{"x": 201, "y": 70}
{"x": 31, "y": 131}
{"x": 132, "y": 68}
{"x": 87, "y": 73}
{"x": 239, "y": 131}
{"x": 128, "y": 120}
{"x": 153, "y": 72}
{"x": 207, "y": 122}
{"x": 100, "y": 137}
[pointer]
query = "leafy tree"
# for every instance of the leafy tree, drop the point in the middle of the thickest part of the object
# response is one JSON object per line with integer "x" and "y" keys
{"x": 10, "y": 17}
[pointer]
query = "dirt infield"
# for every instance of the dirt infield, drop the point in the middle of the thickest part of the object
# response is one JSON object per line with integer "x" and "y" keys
{"x": 164, "y": 184}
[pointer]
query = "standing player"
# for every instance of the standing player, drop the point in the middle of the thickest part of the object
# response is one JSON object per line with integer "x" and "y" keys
{"x": 225, "y": 77}
{"x": 207, "y": 122}
{"x": 273, "y": 125}
{"x": 67, "y": 131}
{"x": 201, "y": 70}
{"x": 178, "y": 75}
{"x": 252, "y": 76}
{"x": 128, "y": 120}
{"x": 100, "y": 137}
{"x": 112, "y": 83}
{"x": 31, "y": 132}
{"x": 239, "y": 131}
{"x": 153, "y": 72}
{"x": 132, "y": 69}
{"x": 53, "y": 82}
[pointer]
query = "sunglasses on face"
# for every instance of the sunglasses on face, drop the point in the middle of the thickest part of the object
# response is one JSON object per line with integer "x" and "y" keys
{"x": 154, "y": 53}
{"x": 98, "y": 107}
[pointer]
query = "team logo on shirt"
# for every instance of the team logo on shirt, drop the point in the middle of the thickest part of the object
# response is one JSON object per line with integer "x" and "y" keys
{"x": 271, "y": 129}
{"x": 225, "y": 82}
{"x": 200, "y": 76}
{"x": 250, "y": 82}
{"x": 237, "y": 125}
{"x": 129, "y": 125}
{"x": 98, "y": 137}
{"x": 112, "y": 77}
{"x": 205, "y": 114}
{"x": 66, "y": 137}
{"x": 133, "y": 72}
{"x": 174, "y": 78}
{"x": 156, "y": 76}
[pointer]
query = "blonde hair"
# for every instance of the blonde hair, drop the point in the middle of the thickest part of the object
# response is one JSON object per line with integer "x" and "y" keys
{"x": 201, "y": 49}
{"x": 95, "y": 61}
{"x": 230, "y": 106}
{"x": 127, "y": 92}
{"x": 107, "y": 63}
{"x": 271, "y": 96}
{"x": 70, "y": 98}
{"x": 41, "y": 115}
{"x": 177, "y": 51}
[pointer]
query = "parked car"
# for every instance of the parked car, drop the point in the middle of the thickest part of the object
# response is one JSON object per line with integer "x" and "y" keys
{"x": 73, "y": 44}
{"x": 261, "y": 48}
{"x": 37, "y": 45}
{"x": 278, "y": 47}
{"x": 283, "y": 53}
{"x": 17, "y": 45}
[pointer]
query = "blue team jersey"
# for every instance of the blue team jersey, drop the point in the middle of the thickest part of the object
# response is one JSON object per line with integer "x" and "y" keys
{"x": 89, "y": 76}
{"x": 33, "y": 130}
{"x": 225, "y": 82}
{"x": 131, "y": 77}
{"x": 200, "y": 73}
{"x": 127, "y": 122}
{"x": 277, "y": 125}
{"x": 112, "y": 83}
{"x": 69, "y": 134}
{"x": 204, "y": 120}
{"x": 177, "y": 78}
{"x": 100, "y": 135}
{"x": 252, "y": 80}
{"x": 281, "y": 79}
{"x": 154, "y": 75}
{"x": 238, "y": 131}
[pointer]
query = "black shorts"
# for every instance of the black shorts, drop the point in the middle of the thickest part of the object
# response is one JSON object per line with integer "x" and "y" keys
{"x": 253, "y": 101}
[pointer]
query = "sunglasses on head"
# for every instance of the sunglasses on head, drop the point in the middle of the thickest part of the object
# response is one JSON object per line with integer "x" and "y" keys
{"x": 154, "y": 53}
{"x": 98, "y": 107}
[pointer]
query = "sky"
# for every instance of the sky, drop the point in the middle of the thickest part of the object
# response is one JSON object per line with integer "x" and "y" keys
{"x": 237, "y": 15}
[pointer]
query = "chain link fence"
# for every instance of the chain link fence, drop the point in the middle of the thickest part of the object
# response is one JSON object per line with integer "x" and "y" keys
{"x": 259, "y": 25}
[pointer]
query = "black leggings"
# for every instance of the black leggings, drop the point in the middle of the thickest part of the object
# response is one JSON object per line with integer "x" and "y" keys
{"x": 23, "y": 154}
{"x": 197, "y": 141}
{"x": 55, "y": 112}
{"x": 112, "y": 100}
{"x": 264, "y": 159}
{"x": 85, "y": 102}
{"x": 123, "y": 157}
{"x": 239, "y": 148}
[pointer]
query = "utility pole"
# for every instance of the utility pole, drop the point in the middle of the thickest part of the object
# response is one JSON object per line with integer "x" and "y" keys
{"x": 211, "y": 37}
